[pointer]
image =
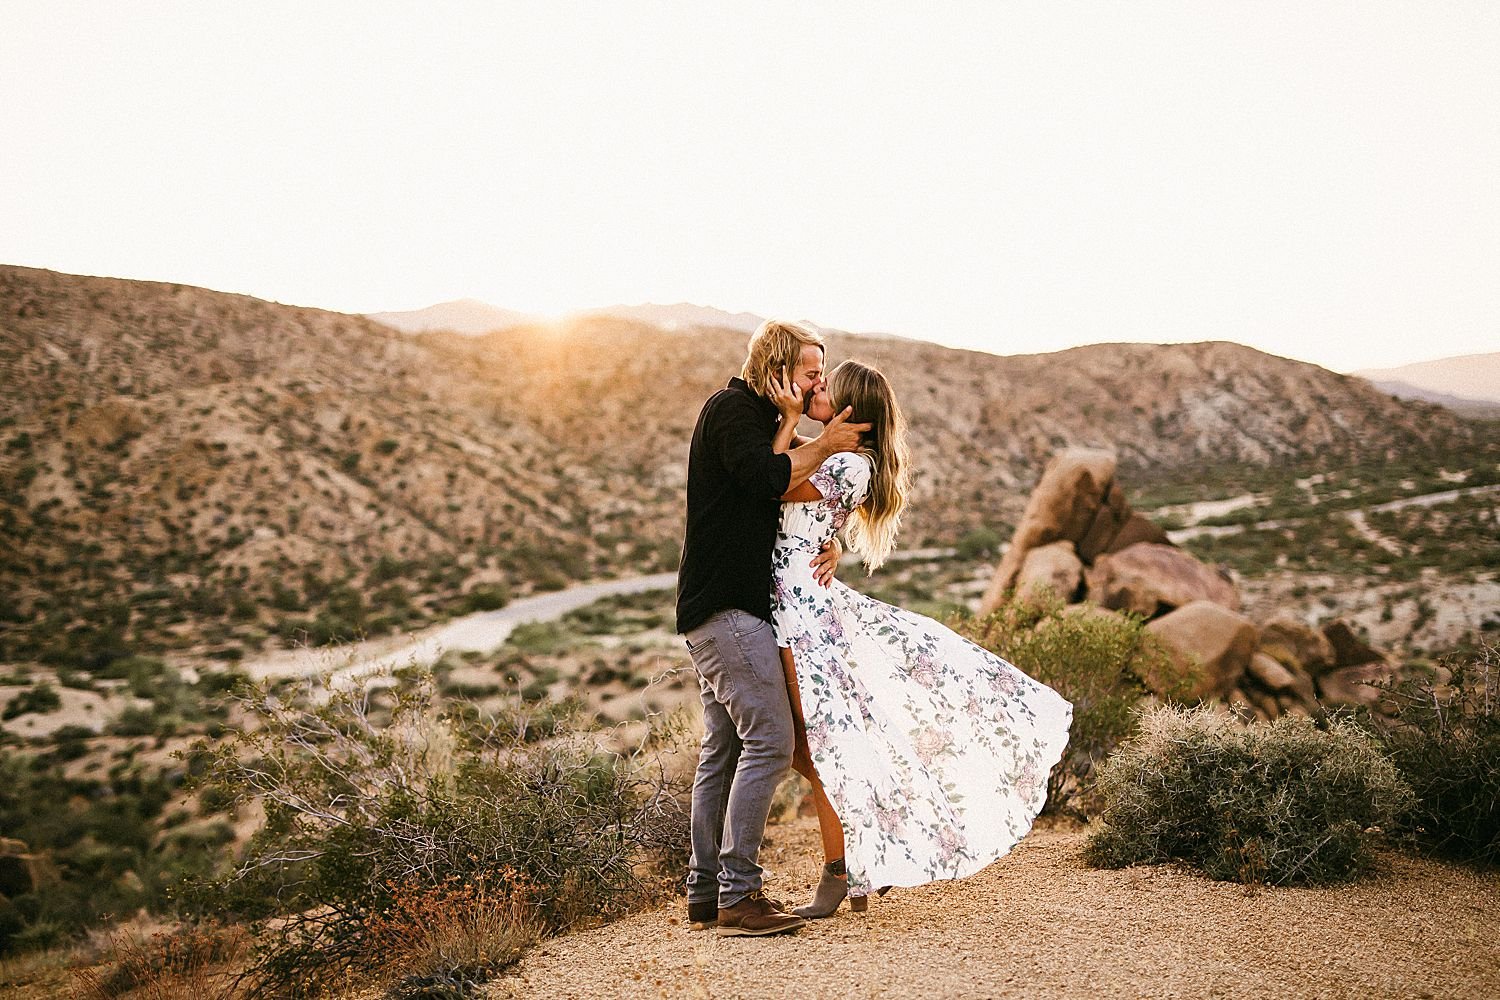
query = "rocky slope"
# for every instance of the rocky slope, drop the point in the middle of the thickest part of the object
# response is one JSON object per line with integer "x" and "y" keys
{"x": 181, "y": 467}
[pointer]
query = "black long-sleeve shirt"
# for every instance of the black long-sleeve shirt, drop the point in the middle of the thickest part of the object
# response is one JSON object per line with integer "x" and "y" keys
{"x": 734, "y": 487}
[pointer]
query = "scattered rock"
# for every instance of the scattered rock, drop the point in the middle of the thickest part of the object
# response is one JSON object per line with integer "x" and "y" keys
{"x": 1209, "y": 647}
{"x": 1150, "y": 578}
{"x": 1284, "y": 681}
{"x": 1296, "y": 645}
{"x": 1265, "y": 704}
{"x": 1266, "y": 669}
{"x": 1054, "y": 566}
{"x": 1353, "y": 685}
{"x": 1349, "y": 650}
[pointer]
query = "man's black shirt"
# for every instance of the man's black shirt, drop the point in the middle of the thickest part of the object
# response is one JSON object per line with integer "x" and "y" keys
{"x": 734, "y": 485}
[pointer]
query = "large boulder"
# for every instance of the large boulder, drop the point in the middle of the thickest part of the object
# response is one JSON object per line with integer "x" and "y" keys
{"x": 1354, "y": 685}
{"x": 1138, "y": 529}
{"x": 1149, "y": 579}
{"x": 1052, "y": 567}
{"x": 1349, "y": 650}
{"x": 1109, "y": 518}
{"x": 1208, "y": 648}
{"x": 1064, "y": 505}
{"x": 1296, "y": 645}
{"x": 1281, "y": 680}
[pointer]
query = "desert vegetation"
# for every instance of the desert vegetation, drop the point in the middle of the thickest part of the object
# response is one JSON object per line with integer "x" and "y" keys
{"x": 197, "y": 479}
{"x": 455, "y": 838}
{"x": 1285, "y": 802}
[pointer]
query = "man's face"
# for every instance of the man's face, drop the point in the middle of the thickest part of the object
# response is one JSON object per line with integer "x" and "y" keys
{"x": 809, "y": 373}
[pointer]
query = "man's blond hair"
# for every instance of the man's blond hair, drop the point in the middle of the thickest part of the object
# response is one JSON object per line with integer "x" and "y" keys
{"x": 777, "y": 344}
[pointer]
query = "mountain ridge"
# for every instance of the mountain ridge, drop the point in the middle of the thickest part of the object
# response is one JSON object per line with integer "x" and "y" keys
{"x": 184, "y": 468}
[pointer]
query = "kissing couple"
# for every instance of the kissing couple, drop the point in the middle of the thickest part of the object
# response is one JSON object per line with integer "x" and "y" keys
{"x": 928, "y": 755}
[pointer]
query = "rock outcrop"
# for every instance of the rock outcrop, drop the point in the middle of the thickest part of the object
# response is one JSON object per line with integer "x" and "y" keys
{"x": 1296, "y": 645}
{"x": 1349, "y": 650}
{"x": 1209, "y": 647}
{"x": 1151, "y": 578}
{"x": 1354, "y": 686}
{"x": 1065, "y": 505}
{"x": 1080, "y": 541}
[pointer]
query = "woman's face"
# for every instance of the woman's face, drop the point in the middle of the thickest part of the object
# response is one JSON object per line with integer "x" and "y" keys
{"x": 820, "y": 407}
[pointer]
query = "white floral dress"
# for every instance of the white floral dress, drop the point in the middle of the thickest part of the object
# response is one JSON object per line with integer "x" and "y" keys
{"x": 934, "y": 751}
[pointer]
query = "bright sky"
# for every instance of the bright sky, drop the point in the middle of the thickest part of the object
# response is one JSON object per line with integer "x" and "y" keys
{"x": 1319, "y": 180}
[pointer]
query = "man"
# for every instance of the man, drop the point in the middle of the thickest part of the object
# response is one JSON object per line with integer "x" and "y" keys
{"x": 734, "y": 486}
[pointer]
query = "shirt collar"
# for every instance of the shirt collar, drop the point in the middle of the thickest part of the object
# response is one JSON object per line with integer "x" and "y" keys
{"x": 765, "y": 404}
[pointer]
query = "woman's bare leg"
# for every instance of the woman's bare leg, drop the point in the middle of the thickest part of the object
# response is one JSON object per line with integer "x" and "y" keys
{"x": 829, "y": 827}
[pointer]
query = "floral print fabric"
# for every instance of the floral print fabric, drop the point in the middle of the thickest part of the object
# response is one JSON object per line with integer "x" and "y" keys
{"x": 934, "y": 751}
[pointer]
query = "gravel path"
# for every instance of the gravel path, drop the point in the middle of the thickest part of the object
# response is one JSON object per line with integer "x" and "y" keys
{"x": 1040, "y": 924}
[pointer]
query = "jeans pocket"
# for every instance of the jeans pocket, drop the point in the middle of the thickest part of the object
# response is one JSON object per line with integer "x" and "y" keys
{"x": 709, "y": 663}
{"x": 745, "y": 624}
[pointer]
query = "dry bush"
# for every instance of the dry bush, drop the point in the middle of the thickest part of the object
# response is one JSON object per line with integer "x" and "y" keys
{"x": 378, "y": 806}
{"x": 190, "y": 962}
{"x": 1280, "y": 803}
{"x": 467, "y": 931}
{"x": 1445, "y": 740}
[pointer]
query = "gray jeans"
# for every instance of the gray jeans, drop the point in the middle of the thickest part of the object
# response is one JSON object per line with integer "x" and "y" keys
{"x": 747, "y": 751}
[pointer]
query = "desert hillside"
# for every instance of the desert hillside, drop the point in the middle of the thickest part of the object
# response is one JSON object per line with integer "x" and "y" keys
{"x": 187, "y": 468}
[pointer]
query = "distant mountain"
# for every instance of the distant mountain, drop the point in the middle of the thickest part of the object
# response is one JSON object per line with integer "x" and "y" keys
{"x": 1466, "y": 381}
{"x": 471, "y": 316}
{"x": 680, "y": 315}
{"x": 459, "y": 316}
{"x": 182, "y": 468}
{"x": 1458, "y": 404}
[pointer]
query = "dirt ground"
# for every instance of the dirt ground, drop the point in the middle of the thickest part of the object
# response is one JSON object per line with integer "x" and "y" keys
{"x": 1040, "y": 923}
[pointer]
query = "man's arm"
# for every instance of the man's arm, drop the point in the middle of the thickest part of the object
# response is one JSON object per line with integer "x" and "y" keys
{"x": 838, "y": 435}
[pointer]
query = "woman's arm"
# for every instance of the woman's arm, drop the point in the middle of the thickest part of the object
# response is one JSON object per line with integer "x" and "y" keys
{"x": 803, "y": 492}
{"x": 787, "y": 396}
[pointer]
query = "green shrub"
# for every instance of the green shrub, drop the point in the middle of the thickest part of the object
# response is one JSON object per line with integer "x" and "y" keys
{"x": 134, "y": 721}
{"x": 486, "y": 597}
{"x": 1093, "y": 660}
{"x": 1445, "y": 740}
{"x": 981, "y": 543}
{"x": 1280, "y": 803}
{"x": 361, "y": 815}
{"x": 41, "y": 699}
{"x": 539, "y": 638}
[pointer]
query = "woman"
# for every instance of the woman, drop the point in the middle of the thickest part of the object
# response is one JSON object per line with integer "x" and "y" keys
{"x": 927, "y": 754}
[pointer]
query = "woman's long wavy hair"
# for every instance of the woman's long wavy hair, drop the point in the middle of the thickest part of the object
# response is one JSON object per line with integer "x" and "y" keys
{"x": 872, "y": 532}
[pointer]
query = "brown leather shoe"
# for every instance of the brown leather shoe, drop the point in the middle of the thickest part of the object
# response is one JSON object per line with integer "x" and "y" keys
{"x": 754, "y": 916}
